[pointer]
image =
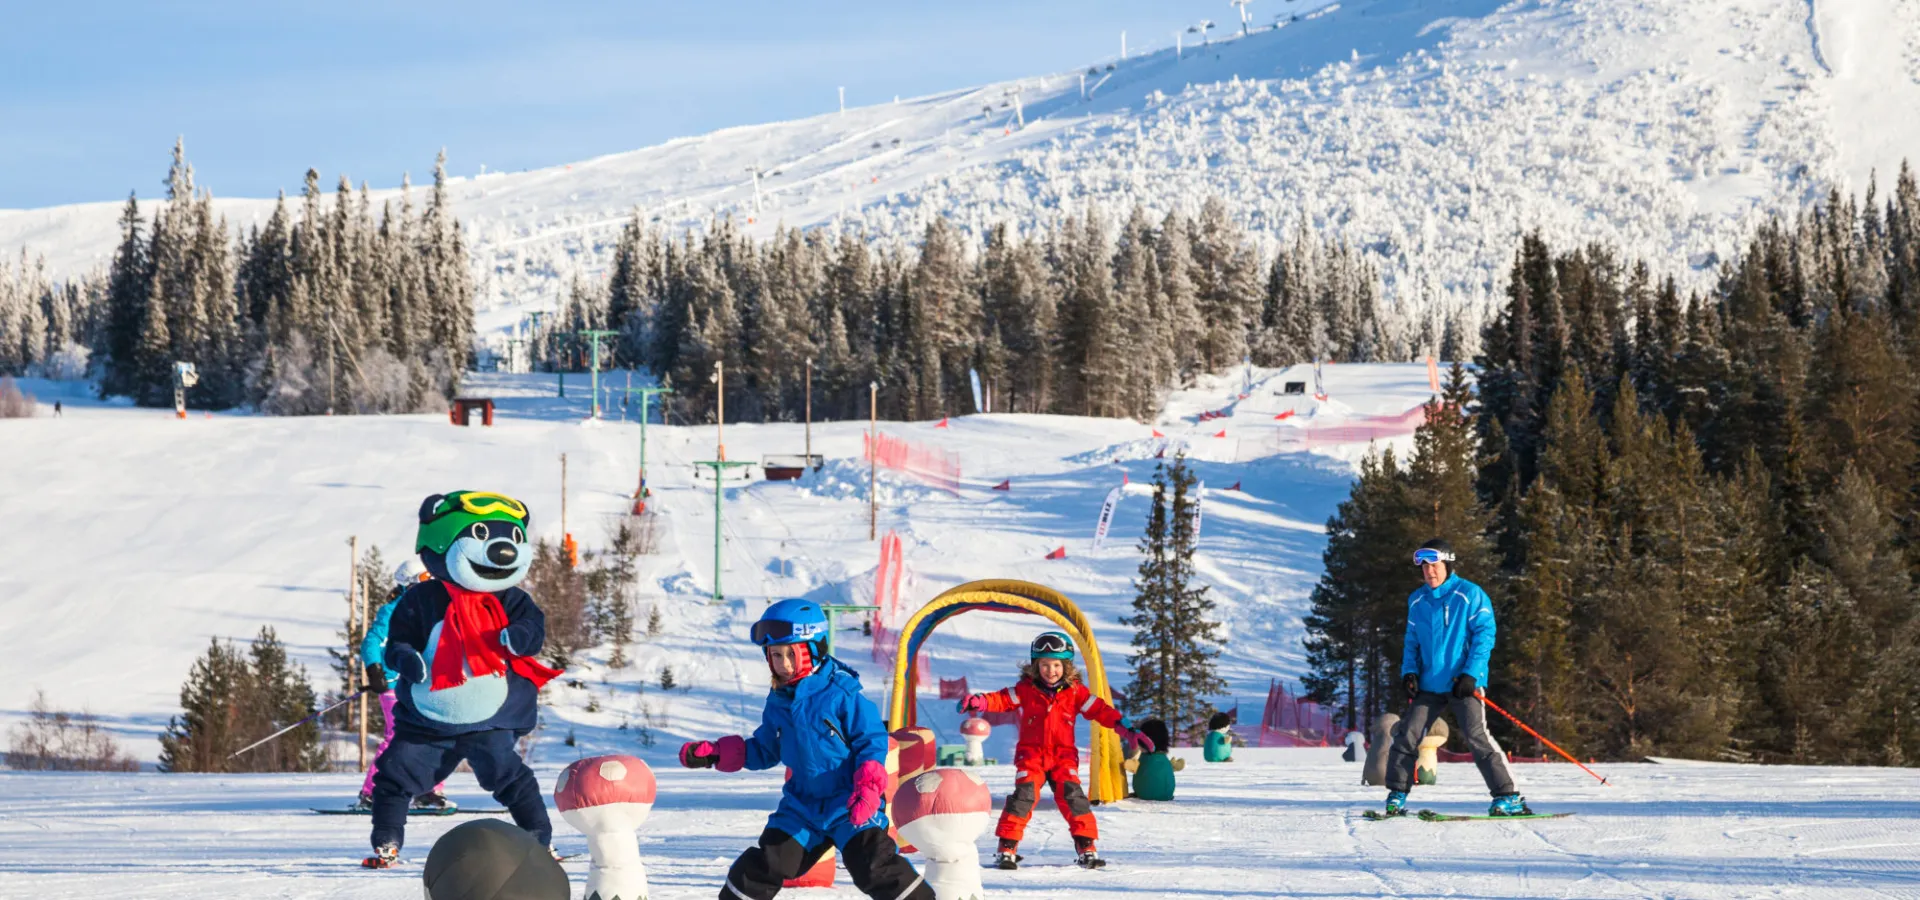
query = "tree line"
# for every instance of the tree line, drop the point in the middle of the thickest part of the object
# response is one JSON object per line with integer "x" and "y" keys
{"x": 1078, "y": 318}
{"x": 334, "y": 308}
{"x": 1697, "y": 516}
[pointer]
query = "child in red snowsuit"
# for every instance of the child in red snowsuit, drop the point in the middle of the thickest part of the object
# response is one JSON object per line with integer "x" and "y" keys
{"x": 1049, "y": 697}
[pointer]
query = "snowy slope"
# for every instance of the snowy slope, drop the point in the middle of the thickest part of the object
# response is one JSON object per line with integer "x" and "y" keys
{"x": 143, "y": 536}
{"x": 1274, "y": 823}
{"x": 1429, "y": 132}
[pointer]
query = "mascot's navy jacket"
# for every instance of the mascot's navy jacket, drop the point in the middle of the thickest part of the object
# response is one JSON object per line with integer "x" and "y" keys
{"x": 822, "y": 729}
{"x": 502, "y": 700}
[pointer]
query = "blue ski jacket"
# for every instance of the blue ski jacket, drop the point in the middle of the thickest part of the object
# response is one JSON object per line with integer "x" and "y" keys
{"x": 1449, "y": 631}
{"x": 821, "y": 728}
{"x": 373, "y": 647}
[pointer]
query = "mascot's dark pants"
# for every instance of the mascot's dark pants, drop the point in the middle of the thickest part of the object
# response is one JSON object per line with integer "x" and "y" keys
{"x": 871, "y": 857}
{"x": 413, "y": 765}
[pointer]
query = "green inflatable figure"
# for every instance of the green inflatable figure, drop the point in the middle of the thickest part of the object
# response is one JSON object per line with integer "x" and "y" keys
{"x": 1219, "y": 739}
{"x": 1153, "y": 772}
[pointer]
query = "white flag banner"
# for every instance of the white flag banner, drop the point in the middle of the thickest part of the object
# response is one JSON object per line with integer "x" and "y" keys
{"x": 1199, "y": 494}
{"x": 979, "y": 405}
{"x": 1106, "y": 518}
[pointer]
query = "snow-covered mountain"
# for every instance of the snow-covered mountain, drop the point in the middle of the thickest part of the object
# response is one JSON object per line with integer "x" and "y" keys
{"x": 1430, "y": 132}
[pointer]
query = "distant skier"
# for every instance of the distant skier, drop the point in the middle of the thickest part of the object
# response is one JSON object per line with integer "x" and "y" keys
{"x": 373, "y": 648}
{"x": 1450, "y": 631}
{"x": 56, "y": 409}
{"x": 834, "y": 745}
{"x": 1050, "y": 697}
{"x": 462, "y": 645}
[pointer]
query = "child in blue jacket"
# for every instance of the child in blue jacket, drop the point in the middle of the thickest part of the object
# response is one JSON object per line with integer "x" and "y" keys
{"x": 373, "y": 652}
{"x": 835, "y": 745}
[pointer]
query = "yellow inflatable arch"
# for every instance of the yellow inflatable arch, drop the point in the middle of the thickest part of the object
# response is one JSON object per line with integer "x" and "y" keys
{"x": 1106, "y": 783}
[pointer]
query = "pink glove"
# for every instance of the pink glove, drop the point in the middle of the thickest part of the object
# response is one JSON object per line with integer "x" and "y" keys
{"x": 698, "y": 754}
{"x": 869, "y": 786}
{"x": 728, "y": 754}
{"x": 974, "y": 703}
{"x": 1128, "y": 735}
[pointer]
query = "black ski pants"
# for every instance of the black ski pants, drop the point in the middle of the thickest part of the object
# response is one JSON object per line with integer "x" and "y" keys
{"x": 1471, "y": 714}
{"x": 871, "y": 857}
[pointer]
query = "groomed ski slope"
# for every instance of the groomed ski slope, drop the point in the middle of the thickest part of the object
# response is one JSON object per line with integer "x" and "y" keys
{"x": 143, "y": 536}
{"x": 1278, "y": 823}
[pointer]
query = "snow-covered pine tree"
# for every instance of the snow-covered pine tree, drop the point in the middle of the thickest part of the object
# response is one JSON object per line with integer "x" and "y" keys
{"x": 1175, "y": 637}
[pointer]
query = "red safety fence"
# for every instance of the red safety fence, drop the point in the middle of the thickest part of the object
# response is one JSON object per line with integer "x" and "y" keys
{"x": 931, "y": 465}
{"x": 954, "y": 688}
{"x": 1289, "y": 721}
{"x": 1352, "y": 430}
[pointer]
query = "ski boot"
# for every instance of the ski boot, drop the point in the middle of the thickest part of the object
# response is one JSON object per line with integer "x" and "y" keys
{"x": 385, "y": 856}
{"x": 1396, "y": 803}
{"x": 435, "y": 802}
{"x": 1087, "y": 857}
{"x": 1007, "y": 858}
{"x": 1509, "y": 805}
{"x": 364, "y": 804}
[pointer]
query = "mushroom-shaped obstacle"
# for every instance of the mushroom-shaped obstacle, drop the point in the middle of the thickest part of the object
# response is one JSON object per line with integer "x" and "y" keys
{"x": 1427, "y": 764}
{"x": 942, "y": 813}
{"x": 608, "y": 798}
{"x": 974, "y": 731}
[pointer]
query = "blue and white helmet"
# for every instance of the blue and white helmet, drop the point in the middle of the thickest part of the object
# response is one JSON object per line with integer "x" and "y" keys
{"x": 793, "y": 621}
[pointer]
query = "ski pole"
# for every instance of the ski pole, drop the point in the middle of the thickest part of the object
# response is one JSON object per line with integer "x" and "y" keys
{"x": 1536, "y": 736}
{"x": 343, "y": 702}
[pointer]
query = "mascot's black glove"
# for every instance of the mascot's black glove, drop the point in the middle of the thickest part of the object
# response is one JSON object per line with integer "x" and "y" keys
{"x": 376, "y": 679}
{"x": 408, "y": 664}
{"x": 1412, "y": 683}
{"x": 1463, "y": 686}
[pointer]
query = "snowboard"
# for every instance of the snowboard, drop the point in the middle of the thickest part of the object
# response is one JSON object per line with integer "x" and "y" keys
{"x": 457, "y": 811}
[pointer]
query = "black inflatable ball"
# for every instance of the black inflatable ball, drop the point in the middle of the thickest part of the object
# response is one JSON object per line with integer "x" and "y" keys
{"x": 487, "y": 859}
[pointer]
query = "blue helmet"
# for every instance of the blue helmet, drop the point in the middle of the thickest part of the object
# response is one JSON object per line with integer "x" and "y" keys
{"x": 794, "y": 621}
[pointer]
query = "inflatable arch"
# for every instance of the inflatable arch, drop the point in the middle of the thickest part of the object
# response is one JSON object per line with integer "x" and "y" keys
{"x": 1105, "y": 783}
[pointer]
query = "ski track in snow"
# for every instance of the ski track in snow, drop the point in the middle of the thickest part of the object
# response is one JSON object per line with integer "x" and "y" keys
{"x": 1813, "y": 35}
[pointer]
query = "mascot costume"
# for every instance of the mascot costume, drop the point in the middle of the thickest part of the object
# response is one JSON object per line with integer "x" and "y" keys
{"x": 461, "y": 647}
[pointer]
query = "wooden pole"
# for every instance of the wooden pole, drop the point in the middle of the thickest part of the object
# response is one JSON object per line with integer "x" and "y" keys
{"x": 563, "y": 497}
{"x": 873, "y": 459}
{"x": 809, "y": 452}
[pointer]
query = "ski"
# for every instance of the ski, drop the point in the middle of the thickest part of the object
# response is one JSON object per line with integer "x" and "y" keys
{"x": 1374, "y": 815}
{"x": 1427, "y": 815}
{"x": 458, "y": 811}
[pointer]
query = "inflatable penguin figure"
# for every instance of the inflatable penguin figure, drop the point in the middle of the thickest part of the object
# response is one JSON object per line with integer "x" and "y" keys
{"x": 1153, "y": 771}
{"x": 1219, "y": 738}
{"x": 461, "y": 646}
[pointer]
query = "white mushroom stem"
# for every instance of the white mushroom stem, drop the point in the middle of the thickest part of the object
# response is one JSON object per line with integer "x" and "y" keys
{"x": 975, "y": 743}
{"x": 946, "y": 843}
{"x": 617, "y": 873}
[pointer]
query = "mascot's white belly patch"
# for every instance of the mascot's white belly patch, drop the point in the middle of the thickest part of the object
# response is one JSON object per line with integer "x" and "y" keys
{"x": 475, "y": 701}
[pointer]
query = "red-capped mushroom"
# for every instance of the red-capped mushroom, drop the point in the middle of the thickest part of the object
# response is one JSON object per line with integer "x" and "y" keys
{"x": 942, "y": 813}
{"x": 608, "y": 798}
{"x": 974, "y": 731}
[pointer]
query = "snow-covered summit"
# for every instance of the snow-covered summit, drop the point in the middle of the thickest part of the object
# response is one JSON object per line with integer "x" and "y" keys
{"x": 1429, "y": 133}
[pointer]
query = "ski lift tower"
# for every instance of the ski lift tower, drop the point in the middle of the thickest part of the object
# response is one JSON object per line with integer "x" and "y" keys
{"x": 1201, "y": 28}
{"x": 720, "y": 468}
{"x": 184, "y": 376}
{"x": 1245, "y": 25}
{"x": 593, "y": 336}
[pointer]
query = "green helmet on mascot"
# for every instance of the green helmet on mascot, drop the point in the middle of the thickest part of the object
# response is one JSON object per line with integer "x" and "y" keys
{"x": 475, "y": 539}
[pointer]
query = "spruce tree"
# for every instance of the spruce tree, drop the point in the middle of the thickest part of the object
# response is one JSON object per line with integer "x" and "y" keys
{"x": 1175, "y": 639}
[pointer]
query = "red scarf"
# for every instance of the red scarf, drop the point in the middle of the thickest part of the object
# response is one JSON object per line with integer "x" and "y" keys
{"x": 470, "y": 642}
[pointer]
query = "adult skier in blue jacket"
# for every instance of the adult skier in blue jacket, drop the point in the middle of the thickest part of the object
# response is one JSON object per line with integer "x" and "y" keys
{"x": 834, "y": 745}
{"x": 1450, "y": 630}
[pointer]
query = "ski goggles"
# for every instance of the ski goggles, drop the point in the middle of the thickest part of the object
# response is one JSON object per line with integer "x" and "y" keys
{"x": 477, "y": 503}
{"x": 780, "y": 631}
{"x": 1050, "y": 643}
{"x": 1427, "y": 555}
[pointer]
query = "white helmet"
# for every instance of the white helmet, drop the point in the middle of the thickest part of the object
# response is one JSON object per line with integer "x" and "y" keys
{"x": 410, "y": 571}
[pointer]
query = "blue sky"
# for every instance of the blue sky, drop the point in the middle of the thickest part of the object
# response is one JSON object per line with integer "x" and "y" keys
{"x": 93, "y": 93}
